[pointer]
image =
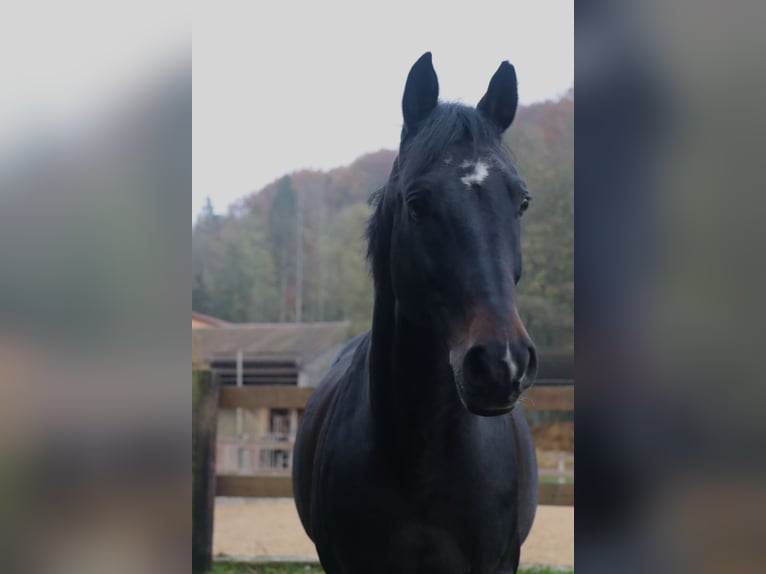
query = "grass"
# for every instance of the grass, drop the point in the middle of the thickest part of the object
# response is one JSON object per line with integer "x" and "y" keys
{"x": 555, "y": 479}
{"x": 245, "y": 568}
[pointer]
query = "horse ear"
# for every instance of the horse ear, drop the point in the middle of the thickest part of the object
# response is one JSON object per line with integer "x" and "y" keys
{"x": 502, "y": 97}
{"x": 420, "y": 93}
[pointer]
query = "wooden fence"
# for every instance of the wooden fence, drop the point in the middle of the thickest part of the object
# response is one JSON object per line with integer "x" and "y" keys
{"x": 554, "y": 391}
{"x": 556, "y": 397}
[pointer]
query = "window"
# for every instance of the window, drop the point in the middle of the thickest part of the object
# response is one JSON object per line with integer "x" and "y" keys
{"x": 274, "y": 459}
{"x": 279, "y": 424}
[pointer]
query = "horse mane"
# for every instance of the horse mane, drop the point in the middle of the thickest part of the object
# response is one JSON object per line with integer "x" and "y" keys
{"x": 448, "y": 124}
{"x": 375, "y": 247}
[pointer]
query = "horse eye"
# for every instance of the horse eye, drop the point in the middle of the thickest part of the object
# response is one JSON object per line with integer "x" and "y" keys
{"x": 417, "y": 207}
{"x": 524, "y": 205}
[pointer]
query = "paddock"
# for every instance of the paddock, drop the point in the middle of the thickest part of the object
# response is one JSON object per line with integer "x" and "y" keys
{"x": 268, "y": 529}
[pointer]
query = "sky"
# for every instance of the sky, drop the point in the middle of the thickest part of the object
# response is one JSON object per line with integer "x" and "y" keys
{"x": 316, "y": 85}
{"x": 278, "y": 86}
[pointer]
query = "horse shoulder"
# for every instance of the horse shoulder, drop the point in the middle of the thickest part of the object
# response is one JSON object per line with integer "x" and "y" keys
{"x": 308, "y": 442}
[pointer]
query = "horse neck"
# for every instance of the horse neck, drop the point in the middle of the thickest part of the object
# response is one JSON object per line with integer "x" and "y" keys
{"x": 411, "y": 388}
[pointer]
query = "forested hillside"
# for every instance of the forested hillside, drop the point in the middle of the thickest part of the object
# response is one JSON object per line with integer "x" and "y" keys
{"x": 294, "y": 250}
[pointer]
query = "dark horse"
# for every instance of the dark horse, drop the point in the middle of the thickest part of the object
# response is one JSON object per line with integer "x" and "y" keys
{"x": 411, "y": 456}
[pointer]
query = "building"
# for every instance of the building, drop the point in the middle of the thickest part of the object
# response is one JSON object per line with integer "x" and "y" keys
{"x": 200, "y": 321}
{"x": 260, "y": 441}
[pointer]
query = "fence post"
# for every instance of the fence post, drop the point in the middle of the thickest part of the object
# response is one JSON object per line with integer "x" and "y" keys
{"x": 204, "y": 408}
{"x": 561, "y": 467}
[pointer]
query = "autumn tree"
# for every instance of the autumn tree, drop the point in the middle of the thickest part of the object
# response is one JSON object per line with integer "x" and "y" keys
{"x": 245, "y": 263}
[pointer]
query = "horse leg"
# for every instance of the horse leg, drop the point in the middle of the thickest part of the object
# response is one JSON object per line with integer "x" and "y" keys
{"x": 510, "y": 562}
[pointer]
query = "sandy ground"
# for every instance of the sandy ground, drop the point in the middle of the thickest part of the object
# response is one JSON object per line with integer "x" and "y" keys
{"x": 260, "y": 528}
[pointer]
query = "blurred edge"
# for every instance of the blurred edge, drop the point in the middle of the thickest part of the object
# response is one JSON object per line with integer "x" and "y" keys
{"x": 95, "y": 188}
{"x": 668, "y": 279}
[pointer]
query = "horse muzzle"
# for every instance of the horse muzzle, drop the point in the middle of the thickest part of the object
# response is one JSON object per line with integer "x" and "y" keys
{"x": 491, "y": 376}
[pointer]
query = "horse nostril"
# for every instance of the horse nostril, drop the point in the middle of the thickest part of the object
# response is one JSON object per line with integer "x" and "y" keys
{"x": 476, "y": 364}
{"x": 490, "y": 364}
{"x": 530, "y": 373}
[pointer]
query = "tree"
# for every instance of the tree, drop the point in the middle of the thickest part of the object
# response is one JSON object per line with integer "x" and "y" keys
{"x": 349, "y": 287}
{"x": 542, "y": 140}
{"x": 245, "y": 264}
{"x": 205, "y": 238}
{"x": 245, "y": 285}
{"x": 281, "y": 228}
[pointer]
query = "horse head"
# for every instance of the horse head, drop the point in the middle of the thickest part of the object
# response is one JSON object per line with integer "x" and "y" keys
{"x": 445, "y": 237}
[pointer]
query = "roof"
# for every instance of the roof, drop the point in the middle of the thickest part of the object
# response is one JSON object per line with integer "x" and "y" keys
{"x": 291, "y": 342}
{"x": 207, "y": 321}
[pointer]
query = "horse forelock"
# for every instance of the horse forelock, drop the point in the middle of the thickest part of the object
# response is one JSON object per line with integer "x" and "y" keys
{"x": 447, "y": 125}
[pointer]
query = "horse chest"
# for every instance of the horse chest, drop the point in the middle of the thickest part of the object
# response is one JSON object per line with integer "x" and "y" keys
{"x": 439, "y": 516}
{"x": 387, "y": 531}
{"x": 429, "y": 548}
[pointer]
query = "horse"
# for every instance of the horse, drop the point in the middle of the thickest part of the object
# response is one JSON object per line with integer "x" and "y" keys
{"x": 413, "y": 455}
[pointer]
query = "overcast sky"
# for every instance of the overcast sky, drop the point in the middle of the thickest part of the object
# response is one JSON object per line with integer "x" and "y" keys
{"x": 278, "y": 86}
{"x": 282, "y": 88}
